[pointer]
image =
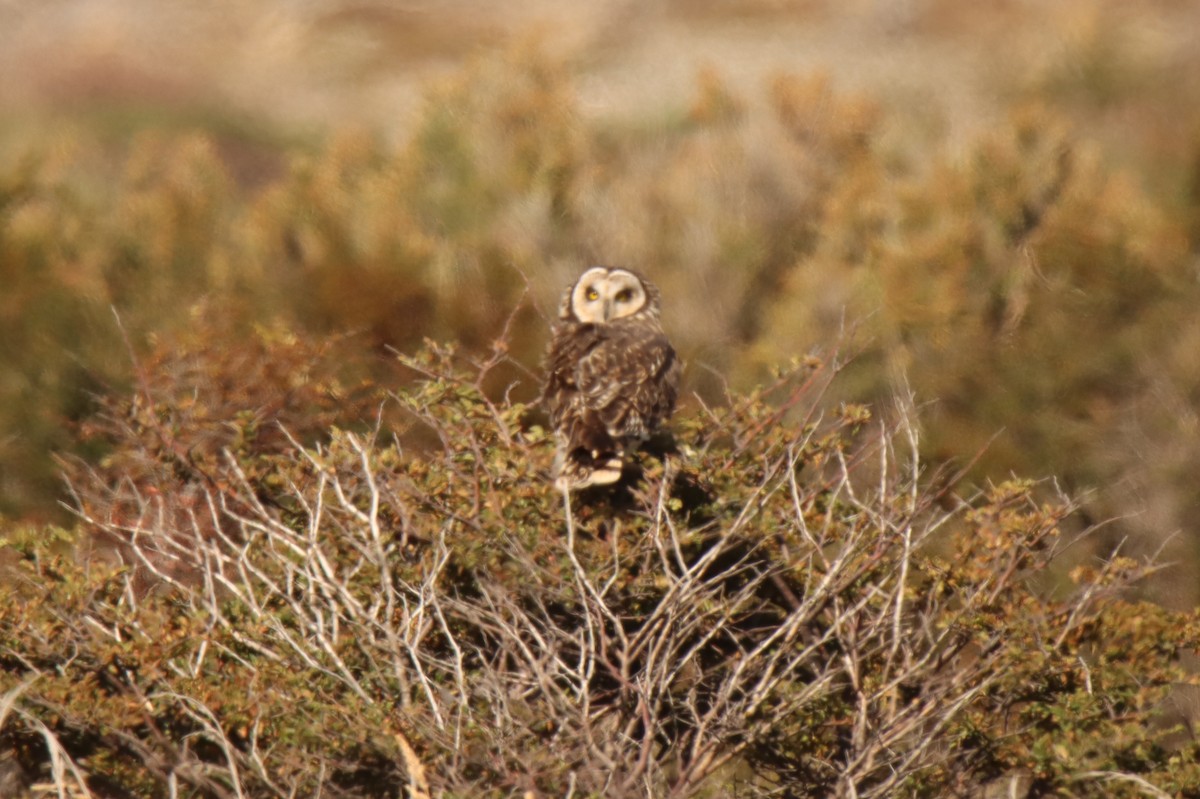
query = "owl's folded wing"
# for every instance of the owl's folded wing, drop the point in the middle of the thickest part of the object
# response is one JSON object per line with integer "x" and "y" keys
{"x": 630, "y": 381}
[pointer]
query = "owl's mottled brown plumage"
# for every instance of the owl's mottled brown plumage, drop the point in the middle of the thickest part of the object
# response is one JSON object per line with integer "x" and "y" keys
{"x": 612, "y": 377}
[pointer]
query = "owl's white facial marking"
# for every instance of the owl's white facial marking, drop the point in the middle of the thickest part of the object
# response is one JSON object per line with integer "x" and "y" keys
{"x": 603, "y": 295}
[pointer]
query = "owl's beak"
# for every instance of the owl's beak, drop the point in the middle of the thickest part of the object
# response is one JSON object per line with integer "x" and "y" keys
{"x": 608, "y": 310}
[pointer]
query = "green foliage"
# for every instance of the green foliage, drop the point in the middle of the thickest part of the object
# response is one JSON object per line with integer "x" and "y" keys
{"x": 778, "y": 607}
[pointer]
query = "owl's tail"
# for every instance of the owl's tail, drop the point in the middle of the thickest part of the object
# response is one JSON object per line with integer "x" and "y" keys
{"x": 580, "y": 467}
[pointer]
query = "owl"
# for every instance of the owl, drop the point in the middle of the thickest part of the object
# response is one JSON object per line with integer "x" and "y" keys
{"x": 611, "y": 375}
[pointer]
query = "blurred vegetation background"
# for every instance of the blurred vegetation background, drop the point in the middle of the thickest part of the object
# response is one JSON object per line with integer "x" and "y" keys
{"x": 993, "y": 205}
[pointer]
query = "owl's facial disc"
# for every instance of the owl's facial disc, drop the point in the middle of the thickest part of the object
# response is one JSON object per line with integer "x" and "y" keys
{"x": 588, "y": 298}
{"x": 602, "y": 295}
{"x": 626, "y": 292}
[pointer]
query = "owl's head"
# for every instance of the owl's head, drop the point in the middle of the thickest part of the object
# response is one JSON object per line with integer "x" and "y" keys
{"x": 605, "y": 294}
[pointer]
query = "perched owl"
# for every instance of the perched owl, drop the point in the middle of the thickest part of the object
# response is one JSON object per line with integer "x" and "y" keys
{"x": 611, "y": 375}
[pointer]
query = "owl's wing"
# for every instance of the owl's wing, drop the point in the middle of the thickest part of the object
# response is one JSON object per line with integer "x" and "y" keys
{"x": 568, "y": 347}
{"x": 630, "y": 380}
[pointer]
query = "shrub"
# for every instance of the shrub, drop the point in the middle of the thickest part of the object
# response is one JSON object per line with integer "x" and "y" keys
{"x": 780, "y": 608}
{"x": 1014, "y": 279}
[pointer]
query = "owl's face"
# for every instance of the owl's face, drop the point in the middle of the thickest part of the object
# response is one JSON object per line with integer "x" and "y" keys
{"x": 603, "y": 295}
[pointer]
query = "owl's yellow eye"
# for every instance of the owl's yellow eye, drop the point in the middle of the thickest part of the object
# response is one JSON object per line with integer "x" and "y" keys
{"x": 624, "y": 295}
{"x": 592, "y": 294}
